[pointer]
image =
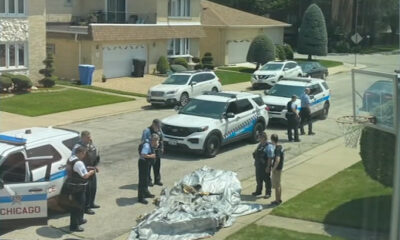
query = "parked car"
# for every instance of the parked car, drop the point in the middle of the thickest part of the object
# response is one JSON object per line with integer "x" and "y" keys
{"x": 279, "y": 95}
{"x": 180, "y": 87}
{"x": 272, "y": 72}
{"x": 376, "y": 95}
{"x": 314, "y": 70}
{"x": 202, "y": 128}
{"x": 32, "y": 170}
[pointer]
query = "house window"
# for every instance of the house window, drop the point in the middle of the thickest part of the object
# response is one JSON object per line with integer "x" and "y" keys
{"x": 179, "y": 46}
{"x": 13, "y": 55}
{"x": 50, "y": 49}
{"x": 179, "y": 8}
{"x": 12, "y": 7}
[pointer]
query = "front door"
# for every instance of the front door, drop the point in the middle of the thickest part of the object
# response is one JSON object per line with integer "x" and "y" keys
{"x": 116, "y": 11}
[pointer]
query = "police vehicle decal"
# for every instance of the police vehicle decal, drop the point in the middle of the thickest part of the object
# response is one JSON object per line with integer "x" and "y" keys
{"x": 244, "y": 127}
{"x": 24, "y": 198}
{"x": 55, "y": 176}
{"x": 317, "y": 101}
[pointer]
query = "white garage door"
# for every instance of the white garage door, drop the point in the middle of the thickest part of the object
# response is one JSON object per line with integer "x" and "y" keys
{"x": 237, "y": 51}
{"x": 117, "y": 59}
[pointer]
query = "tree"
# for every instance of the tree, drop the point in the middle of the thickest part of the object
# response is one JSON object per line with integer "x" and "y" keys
{"x": 261, "y": 50}
{"x": 313, "y": 37}
{"x": 47, "y": 72}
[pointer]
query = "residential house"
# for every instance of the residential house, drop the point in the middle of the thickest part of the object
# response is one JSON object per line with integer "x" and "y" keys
{"x": 22, "y": 37}
{"x": 110, "y": 33}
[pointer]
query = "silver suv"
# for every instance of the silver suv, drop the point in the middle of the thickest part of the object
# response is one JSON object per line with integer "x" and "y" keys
{"x": 180, "y": 87}
{"x": 214, "y": 119}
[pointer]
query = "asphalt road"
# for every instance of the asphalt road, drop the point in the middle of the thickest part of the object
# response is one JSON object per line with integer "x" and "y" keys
{"x": 118, "y": 136}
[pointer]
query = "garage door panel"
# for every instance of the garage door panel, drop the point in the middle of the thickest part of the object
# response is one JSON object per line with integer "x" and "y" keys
{"x": 237, "y": 51}
{"x": 117, "y": 59}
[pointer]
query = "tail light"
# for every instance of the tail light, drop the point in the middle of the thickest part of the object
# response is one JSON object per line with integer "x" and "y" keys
{"x": 219, "y": 80}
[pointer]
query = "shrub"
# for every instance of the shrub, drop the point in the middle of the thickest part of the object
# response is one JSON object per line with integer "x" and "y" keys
{"x": 280, "y": 52}
{"x": 377, "y": 150}
{"x": 8, "y": 75}
{"x": 198, "y": 66}
{"x": 261, "y": 50}
{"x": 178, "y": 68}
{"x": 21, "y": 83}
{"x": 162, "y": 65}
{"x": 196, "y": 60}
{"x": 342, "y": 47}
{"x": 313, "y": 36}
{"x": 180, "y": 61}
{"x": 103, "y": 78}
{"x": 288, "y": 51}
{"x": 208, "y": 61}
{"x": 48, "y": 82}
{"x": 5, "y": 83}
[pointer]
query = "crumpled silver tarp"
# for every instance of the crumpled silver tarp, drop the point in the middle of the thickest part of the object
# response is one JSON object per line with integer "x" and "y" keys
{"x": 196, "y": 207}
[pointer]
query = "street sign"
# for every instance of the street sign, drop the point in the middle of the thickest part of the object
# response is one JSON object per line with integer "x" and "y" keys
{"x": 356, "y": 38}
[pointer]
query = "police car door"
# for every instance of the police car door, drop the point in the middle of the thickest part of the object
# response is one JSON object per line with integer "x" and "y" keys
{"x": 317, "y": 102}
{"x": 21, "y": 202}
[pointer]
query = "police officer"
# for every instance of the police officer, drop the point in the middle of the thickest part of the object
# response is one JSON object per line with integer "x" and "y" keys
{"x": 260, "y": 163}
{"x": 292, "y": 117}
{"x": 91, "y": 161}
{"x": 76, "y": 185}
{"x": 146, "y": 154}
{"x": 305, "y": 112}
{"x": 155, "y": 128}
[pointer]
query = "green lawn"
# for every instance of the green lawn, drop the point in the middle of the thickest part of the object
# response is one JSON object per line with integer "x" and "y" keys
{"x": 255, "y": 232}
{"x": 350, "y": 198}
{"x": 36, "y": 104}
{"x": 238, "y": 69}
{"x": 69, "y": 83}
{"x": 227, "y": 77}
{"x": 325, "y": 63}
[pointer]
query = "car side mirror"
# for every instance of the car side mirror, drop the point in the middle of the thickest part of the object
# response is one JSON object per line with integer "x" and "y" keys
{"x": 285, "y": 69}
{"x": 230, "y": 115}
{"x": 193, "y": 83}
{"x": 1, "y": 184}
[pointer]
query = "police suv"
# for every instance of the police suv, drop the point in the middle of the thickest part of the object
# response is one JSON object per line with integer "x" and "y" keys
{"x": 32, "y": 170}
{"x": 214, "y": 119}
{"x": 279, "y": 95}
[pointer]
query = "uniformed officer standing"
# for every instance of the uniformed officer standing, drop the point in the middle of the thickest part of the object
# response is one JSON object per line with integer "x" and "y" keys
{"x": 91, "y": 161}
{"x": 76, "y": 187}
{"x": 292, "y": 117}
{"x": 155, "y": 128}
{"x": 260, "y": 163}
{"x": 305, "y": 112}
{"x": 146, "y": 154}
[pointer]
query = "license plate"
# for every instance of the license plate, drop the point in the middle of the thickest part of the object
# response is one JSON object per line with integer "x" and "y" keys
{"x": 173, "y": 142}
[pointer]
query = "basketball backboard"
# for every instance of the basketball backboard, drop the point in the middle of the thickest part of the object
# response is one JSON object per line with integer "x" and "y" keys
{"x": 376, "y": 95}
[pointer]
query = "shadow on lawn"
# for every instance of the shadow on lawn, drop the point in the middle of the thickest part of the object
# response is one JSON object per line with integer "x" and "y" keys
{"x": 367, "y": 214}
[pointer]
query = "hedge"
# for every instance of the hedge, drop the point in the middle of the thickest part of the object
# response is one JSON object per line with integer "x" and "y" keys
{"x": 180, "y": 61}
{"x": 162, "y": 65}
{"x": 5, "y": 83}
{"x": 21, "y": 83}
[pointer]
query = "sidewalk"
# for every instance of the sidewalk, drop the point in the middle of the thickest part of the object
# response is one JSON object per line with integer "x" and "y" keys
{"x": 311, "y": 168}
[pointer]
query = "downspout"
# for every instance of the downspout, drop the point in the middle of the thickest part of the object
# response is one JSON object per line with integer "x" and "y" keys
{"x": 79, "y": 48}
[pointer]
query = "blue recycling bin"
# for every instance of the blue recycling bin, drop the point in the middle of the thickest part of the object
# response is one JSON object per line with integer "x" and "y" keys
{"x": 86, "y": 74}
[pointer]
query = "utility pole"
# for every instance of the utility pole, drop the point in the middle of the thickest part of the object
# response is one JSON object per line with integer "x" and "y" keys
{"x": 356, "y": 32}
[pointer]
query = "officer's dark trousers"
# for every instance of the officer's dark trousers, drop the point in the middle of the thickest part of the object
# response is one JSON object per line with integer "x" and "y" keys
{"x": 91, "y": 191}
{"x": 262, "y": 177}
{"x": 143, "y": 178}
{"x": 293, "y": 126}
{"x": 305, "y": 115}
{"x": 77, "y": 208}
{"x": 156, "y": 164}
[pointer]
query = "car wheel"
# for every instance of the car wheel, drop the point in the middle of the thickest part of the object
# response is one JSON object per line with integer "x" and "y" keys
{"x": 212, "y": 145}
{"x": 280, "y": 78}
{"x": 299, "y": 75}
{"x": 257, "y": 130}
{"x": 325, "y": 111}
{"x": 184, "y": 99}
{"x": 214, "y": 89}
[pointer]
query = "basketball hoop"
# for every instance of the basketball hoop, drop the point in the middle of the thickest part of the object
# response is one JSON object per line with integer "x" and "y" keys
{"x": 352, "y": 126}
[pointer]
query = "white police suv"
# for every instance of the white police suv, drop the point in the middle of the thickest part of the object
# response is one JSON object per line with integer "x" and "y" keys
{"x": 32, "y": 170}
{"x": 279, "y": 95}
{"x": 272, "y": 72}
{"x": 179, "y": 87}
{"x": 214, "y": 119}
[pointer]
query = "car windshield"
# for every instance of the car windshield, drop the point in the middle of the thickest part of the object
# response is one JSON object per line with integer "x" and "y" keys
{"x": 286, "y": 91}
{"x": 307, "y": 66}
{"x": 177, "y": 79}
{"x": 204, "y": 108}
{"x": 272, "y": 66}
{"x": 384, "y": 86}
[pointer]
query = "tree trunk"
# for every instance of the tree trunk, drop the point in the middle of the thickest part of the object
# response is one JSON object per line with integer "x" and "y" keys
{"x": 258, "y": 66}
{"x": 309, "y": 57}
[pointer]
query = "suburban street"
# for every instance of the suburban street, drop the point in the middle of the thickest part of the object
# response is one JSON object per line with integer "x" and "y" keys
{"x": 118, "y": 137}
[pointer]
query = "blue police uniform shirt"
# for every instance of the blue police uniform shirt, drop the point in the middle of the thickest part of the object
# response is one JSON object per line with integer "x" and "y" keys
{"x": 305, "y": 100}
{"x": 147, "y": 149}
{"x": 270, "y": 150}
{"x": 146, "y": 135}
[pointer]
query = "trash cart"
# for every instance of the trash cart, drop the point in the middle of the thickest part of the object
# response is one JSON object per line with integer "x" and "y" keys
{"x": 86, "y": 74}
{"x": 138, "y": 67}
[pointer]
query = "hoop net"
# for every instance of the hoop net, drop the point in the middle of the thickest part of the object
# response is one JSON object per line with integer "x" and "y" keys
{"x": 351, "y": 127}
